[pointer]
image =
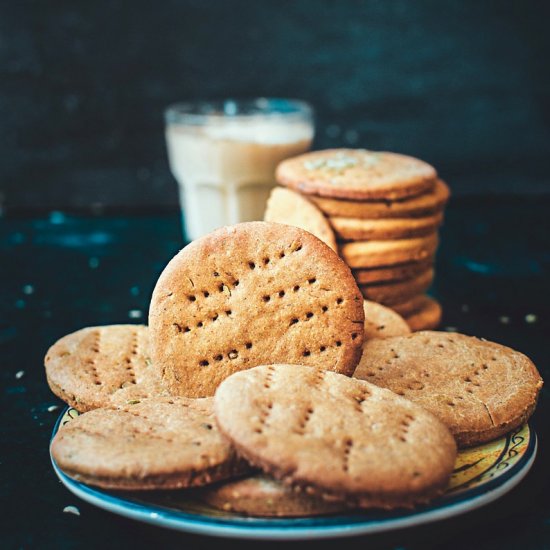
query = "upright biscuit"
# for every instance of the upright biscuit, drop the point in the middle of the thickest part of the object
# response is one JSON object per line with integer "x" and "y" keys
{"x": 428, "y": 317}
{"x": 479, "y": 389}
{"x": 157, "y": 443}
{"x": 393, "y": 273}
{"x": 366, "y": 254}
{"x": 88, "y": 368}
{"x": 334, "y": 436}
{"x": 251, "y": 294}
{"x": 383, "y": 322}
{"x": 427, "y": 204}
{"x": 291, "y": 208}
{"x": 262, "y": 496}
{"x": 394, "y": 293}
{"x": 357, "y": 229}
{"x": 356, "y": 174}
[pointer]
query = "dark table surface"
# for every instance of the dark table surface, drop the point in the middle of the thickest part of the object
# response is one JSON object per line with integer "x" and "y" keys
{"x": 60, "y": 272}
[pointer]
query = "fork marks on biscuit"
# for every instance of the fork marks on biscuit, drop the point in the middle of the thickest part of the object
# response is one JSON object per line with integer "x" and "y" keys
{"x": 303, "y": 421}
{"x": 404, "y": 426}
{"x": 96, "y": 350}
{"x": 130, "y": 378}
{"x": 348, "y": 445}
{"x": 361, "y": 398}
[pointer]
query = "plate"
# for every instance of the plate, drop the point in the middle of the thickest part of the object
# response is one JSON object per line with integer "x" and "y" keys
{"x": 481, "y": 475}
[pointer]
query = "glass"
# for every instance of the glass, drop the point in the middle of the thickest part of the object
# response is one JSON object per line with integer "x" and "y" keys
{"x": 223, "y": 155}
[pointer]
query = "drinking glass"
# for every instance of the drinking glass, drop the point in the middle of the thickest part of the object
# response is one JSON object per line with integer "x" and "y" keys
{"x": 223, "y": 155}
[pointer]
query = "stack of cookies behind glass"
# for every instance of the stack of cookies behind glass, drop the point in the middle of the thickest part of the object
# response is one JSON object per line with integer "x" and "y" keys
{"x": 381, "y": 211}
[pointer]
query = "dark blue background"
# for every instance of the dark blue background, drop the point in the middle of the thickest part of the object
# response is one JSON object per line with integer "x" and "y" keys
{"x": 462, "y": 84}
{"x": 62, "y": 272}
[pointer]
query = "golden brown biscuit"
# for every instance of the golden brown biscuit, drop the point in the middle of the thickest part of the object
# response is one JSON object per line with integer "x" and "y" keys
{"x": 393, "y": 273}
{"x": 92, "y": 366}
{"x": 357, "y": 229}
{"x": 250, "y": 294}
{"x": 410, "y": 306}
{"x": 367, "y": 254}
{"x": 429, "y": 203}
{"x": 334, "y": 436}
{"x": 291, "y": 208}
{"x": 479, "y": 389}
{"x": 157, "y": 443}
{"x": 262, "y": 496}
{"x": 428, "y": 317}
{"x": 394, "y": 293}
{"x": 383, "y": 322}
{"x": 356, "y": 174}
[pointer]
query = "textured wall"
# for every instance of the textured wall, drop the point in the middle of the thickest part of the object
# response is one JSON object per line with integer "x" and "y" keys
{"x": 464, "y": 85}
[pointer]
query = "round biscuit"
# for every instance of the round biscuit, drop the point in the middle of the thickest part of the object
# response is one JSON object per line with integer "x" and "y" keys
{"x": 410, "y": 306}
{"x": 357, "y": 229}
{"x": 368, "y": 254}
{"x": 356, "y": 174}
{"x": 262, "y": 496}
{"x": 479, "y": 389}
{"x": 394, "y": 293}
{"x": 334, "y": 436}
{"x": 155, "y": 443}
{"x": 383, "y": 322}
{"x": 429, "y": 203}
{"x": 290, "y": 208}
{"x": 90, "y": 367}
{"x": 252, "y": 294}
{"x": 428, "y": 317}
{"x": 393, "y": 273}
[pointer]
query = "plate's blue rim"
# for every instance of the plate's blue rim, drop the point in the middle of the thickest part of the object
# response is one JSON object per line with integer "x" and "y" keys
{"x": 323, "y": 526}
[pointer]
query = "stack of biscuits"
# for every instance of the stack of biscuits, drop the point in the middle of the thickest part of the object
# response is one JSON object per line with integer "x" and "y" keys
{"x": 267, "y": 386}
{"x": 384, "y": 210}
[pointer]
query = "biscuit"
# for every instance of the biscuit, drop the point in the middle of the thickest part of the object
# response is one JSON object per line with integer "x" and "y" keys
{"x": 479, "y": 389}
{"x": 334, "y": 436}
{"x": 394, "y": 293}
{"x": 157, "y": 443}
{"x": 261, "y": 496}
{"x": 366, "y": 254}
{"x": 357, "y": 229}
{"x": 248, "y": 295}
{"x": 291, "y": 208}
{"x": 356, "y": 174}
{"x": 427, "y": 204}
{"x": 89, "y": 367}
{"x": 383, "y": 322}
{"x": 410, "y": 306}
{"x": 394, "y": 273}
{"x": 428, "y": 317}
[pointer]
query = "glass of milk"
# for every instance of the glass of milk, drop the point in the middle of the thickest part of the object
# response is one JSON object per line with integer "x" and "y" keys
{"x": 223, "y": 155}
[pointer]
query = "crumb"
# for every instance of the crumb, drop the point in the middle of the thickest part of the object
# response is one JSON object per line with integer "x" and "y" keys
{"x": 504, "y": 319}
{"x": 530, "y": 318}
{"x": 71, "y": 510}
{"x": 135, "y": 314}
{"x": 19, "y": 374}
